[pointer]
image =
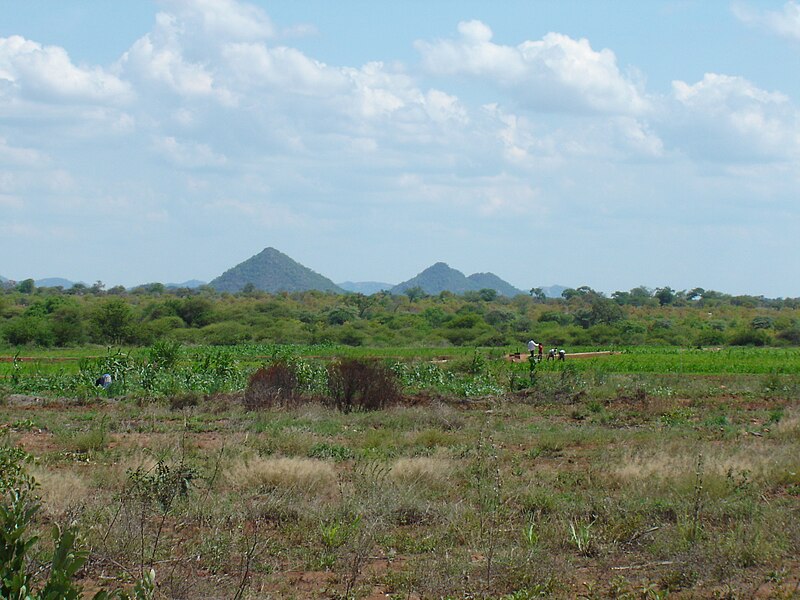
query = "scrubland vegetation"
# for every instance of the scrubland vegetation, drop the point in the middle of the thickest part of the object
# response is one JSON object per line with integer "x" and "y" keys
{"x": 50, "y": 317}
{"x": 427, "y": 468}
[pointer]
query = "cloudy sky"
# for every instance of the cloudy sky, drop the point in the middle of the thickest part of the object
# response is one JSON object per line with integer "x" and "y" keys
{"x": 610, "y": 144}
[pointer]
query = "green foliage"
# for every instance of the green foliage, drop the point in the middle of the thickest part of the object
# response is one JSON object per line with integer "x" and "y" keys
{"x": 113, "y": 321}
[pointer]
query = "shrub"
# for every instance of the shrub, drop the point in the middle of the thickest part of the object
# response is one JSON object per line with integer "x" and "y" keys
{"x": 360, "y": 385}
{"x": 276, "y": 385}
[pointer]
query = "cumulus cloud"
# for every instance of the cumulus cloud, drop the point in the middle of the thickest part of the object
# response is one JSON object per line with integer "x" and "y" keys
{"x": 227, "y": 19}
{"x": 556, "y": 73}
{"x": 785, "y": 23}
{"x": 46, "y": 73}
{"x": 727, "y": 117}
{"x": 158, "y": 58}
{"x": 256, "y": 66}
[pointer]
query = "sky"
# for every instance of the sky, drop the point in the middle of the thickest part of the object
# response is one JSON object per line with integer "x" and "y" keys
{"x": 608, "y": 144}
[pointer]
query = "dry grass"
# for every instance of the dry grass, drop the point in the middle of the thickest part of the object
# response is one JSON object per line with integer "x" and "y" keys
{"x": 63, "y": 492}
{"x": 303, "y": 474}
{"x": 429, "y": 472}
{"x": 759, "y": 461}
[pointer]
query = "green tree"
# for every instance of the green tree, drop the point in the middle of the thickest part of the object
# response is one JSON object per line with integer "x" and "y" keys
{"x": 26, "y": 287}
{"x": 665, "y": 296}
{"x": 415, "y": 293}
{"x": 113, "y": 321}
{"x": 538, "y": 293}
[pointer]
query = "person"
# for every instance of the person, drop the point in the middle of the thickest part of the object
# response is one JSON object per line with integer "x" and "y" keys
{"x": 532, "y": 347}
{"x": 104, "y": 381}
{"x": 562, "y": 355}
{"x": 551, "y": 354}
{"x": 541, "y": 349}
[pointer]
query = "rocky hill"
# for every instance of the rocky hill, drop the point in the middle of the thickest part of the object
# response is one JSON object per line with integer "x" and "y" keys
{"x": 441, "y": 277}
{"x": 493, "y": 282}
{"x": 272, "y": 271}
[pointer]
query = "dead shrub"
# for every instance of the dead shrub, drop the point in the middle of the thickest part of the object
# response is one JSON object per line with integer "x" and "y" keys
{"x": 361, "y": 385}
{"x": 276, "y": 385}
{"x": 182, "y": 401}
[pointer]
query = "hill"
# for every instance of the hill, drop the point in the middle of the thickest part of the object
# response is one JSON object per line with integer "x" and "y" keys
{"x": 365, "y": 287}
{"x": 553, "y": 291}
{"x": 54, "y": 282}
{"x": 272, "y": 271}
{"x": 191, "y": 284}
{"x": 493, "y": 282}
{"x": 441, "y": 277}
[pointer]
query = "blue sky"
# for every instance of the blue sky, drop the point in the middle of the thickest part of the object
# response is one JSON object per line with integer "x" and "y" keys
{"x": 610, "y": 144}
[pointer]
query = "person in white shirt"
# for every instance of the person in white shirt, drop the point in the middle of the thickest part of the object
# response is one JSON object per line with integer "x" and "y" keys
{"x": 532, "y": 346}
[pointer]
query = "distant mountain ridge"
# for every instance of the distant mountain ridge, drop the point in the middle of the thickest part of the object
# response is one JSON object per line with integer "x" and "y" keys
{"x": 191, "y": 284}
{"x": 441, "y": 277}
{"x": 273, "y": 271}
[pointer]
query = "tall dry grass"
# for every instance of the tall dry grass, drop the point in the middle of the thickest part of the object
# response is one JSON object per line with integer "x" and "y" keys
{"x": 300, "y": 474}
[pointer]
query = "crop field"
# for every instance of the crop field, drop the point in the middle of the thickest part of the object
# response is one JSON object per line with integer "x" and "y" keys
{"x": 250, "y": 472}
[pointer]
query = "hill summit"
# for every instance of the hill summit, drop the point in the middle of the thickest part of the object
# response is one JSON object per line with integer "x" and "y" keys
{"x": 441, "y": 277}
{"x": 272, "y": 271}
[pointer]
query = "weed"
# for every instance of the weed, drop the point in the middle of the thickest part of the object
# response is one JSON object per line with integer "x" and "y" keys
{"x": 336, "y": 452}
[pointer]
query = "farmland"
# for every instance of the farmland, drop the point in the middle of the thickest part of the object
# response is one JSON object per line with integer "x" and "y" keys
{"x": 648, "y": 473}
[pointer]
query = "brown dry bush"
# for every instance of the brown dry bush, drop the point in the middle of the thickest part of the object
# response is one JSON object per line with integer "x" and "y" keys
{"x": 276, "y": 385}
{"x": 361, "y": 385}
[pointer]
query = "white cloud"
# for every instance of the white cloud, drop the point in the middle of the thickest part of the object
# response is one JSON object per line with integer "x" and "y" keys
{"x": 26, "y": 157}
{"x": 785, "y": 23}
{"x": 725, "y": 117}
{"x": 46, "y": 73}
{"x": 285, "y": 69}
{"x": 260, "y": 212}
{"x": 188, "y": 154}
{"x": 441, "y": 107}
{"x": 226, "y": 19}
{"x": 158, "y": 58}
{"x": 556, "y": 73}
{"x": 10, "y": 202}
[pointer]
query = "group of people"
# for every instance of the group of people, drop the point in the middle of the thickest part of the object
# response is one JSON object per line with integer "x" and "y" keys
{"x": 537, "y": 351}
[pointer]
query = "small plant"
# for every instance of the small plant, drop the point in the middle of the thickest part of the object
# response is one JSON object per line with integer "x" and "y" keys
{"x": 93, "y": 440}
{"x": 336, "y": 452}
{"x": 531, "y": 535}
{"x": 581, "y": 537}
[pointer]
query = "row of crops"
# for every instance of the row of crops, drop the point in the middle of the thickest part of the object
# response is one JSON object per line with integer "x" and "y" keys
{"x": 168, "y": 368}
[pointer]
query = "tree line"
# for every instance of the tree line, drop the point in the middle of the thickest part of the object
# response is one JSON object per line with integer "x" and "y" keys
{"x": 83, "y": 314}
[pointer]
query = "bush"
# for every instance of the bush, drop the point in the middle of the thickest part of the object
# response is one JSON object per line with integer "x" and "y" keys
{"x": 360, "y": 385}
{"x": 276, "y": 385}
{"x": 750, "y": 337}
